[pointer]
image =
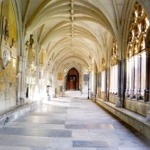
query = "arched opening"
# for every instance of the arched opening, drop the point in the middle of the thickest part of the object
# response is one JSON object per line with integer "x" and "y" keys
{"x": 72, "y": 82}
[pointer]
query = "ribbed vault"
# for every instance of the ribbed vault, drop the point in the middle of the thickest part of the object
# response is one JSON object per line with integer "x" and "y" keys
{"x": 73, "y": 28}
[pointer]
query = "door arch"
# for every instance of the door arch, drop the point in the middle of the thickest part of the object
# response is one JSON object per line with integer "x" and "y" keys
{"x": 72, "y": 82}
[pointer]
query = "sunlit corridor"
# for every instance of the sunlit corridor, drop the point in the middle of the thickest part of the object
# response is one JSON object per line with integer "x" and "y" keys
{"x": 69, "y": 60}
{"x": 70, "y": 124}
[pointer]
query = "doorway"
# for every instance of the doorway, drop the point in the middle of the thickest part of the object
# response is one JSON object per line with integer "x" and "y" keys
{"x": 72, "y": 82}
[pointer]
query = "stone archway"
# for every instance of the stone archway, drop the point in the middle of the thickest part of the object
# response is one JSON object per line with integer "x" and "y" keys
{"x": 72, "y": 81}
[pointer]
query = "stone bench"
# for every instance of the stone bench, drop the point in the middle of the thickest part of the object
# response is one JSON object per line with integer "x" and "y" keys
{"x": 133, "y": 119}
{"x": 17, "y": 112}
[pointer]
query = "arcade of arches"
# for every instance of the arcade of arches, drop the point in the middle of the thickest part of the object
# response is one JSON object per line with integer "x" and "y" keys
{"x": 97, "y": 47}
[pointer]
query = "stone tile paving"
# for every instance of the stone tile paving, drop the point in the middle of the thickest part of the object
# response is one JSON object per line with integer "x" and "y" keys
{"x": 70, "y": 124}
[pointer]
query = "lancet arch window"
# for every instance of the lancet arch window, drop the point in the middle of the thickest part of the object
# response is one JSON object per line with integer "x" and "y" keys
{"x": 136, "y": 53}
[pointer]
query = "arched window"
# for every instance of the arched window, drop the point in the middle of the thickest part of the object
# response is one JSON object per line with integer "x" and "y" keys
{"x": 135, "y": 54}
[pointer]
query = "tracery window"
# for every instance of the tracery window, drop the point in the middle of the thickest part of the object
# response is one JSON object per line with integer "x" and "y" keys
{"x": 114, "y": 69}
{"x": 136, "y": 55}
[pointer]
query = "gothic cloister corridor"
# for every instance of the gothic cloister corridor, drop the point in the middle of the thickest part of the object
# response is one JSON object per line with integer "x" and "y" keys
{"x": 70, "y": 124}
{"x": 75, "y": 74}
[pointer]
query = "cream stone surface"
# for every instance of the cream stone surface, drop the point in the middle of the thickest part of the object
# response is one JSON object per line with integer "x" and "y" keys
{"x": 87, "y": 50}
{"x": 70, "y": 124}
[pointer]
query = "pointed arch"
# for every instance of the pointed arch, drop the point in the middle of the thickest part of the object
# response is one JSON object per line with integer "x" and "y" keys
{"x": 72, "y": 79}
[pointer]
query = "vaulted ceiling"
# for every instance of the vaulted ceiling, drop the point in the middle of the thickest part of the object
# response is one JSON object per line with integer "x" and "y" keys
{"x": 73, "y": 28}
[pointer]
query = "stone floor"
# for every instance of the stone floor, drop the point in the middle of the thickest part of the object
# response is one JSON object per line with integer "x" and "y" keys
{"x": 70, "y": 124}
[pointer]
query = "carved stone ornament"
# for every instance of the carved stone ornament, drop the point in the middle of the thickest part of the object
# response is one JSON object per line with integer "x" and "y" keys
{"x": 6, "y": 55}
{"x": 59, "y": 76}
{"x": 5, "y": 30}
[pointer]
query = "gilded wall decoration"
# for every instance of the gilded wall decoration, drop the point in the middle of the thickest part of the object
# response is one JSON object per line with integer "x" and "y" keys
{"x": 103, "y": 65}
{"x": 8, "y": 53}
{"x": 31, "y": 55}
{"x": 59, "y": 76}
{"x": 29, "y": 48}
{"x": 114, "y": 54}
{"x": 42, "y": 57}
{"x": 137, "y": 32}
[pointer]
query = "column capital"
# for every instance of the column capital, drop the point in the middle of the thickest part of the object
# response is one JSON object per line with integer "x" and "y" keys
{"x": 147, "y": 90}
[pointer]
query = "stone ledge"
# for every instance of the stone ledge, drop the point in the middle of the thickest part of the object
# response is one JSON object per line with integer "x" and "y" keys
{"x": 137, "y": 121}
{"x": 16, "y": 113}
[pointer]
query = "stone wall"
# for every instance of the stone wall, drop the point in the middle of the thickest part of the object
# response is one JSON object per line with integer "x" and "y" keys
{"x": 102, "y": 95}
{"x": 113, "y": 98}
{"x": 8, "y": 72}
{"x": 139, "y": 107}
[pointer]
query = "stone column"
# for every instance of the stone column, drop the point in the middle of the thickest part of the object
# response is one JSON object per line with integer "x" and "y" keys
{"x": 106, "y": 84}
{"x": 132, "y": 90}
{"x": 147, "y": 90}
{"x": 21, "y": 81}
{"x": 94, "y": 87}
{"x": 37, "y": 71}
{"x": 121, "y": 83}
{"x": 127, "y": 78}
{"x": 99, "y": 83}
{"x": 147, "y": 84}
{"x": 138, "y": 72}
{"x": 54, "y": 86}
